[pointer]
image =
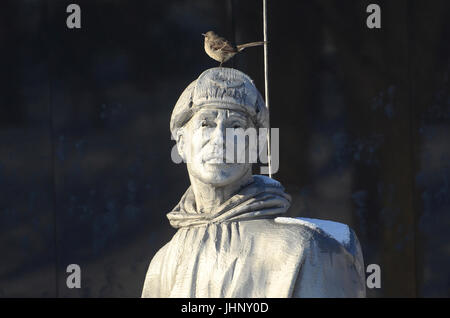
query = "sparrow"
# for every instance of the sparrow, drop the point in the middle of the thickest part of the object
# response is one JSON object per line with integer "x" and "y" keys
{"x": 221, "y": 50}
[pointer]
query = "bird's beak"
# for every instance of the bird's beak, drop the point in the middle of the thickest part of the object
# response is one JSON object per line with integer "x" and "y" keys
{"x": 203, "y": 34}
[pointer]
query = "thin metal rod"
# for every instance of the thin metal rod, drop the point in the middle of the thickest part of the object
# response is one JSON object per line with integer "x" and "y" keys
{"x": 266, "y": 82}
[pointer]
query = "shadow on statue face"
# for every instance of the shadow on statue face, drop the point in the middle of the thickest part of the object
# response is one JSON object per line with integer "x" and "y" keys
{"x": 203, "y": 146}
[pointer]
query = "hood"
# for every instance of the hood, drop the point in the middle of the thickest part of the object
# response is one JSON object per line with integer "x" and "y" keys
{"x": 263, "y": 197}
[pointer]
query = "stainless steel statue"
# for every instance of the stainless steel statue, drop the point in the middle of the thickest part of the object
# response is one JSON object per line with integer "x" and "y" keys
{"x": 232, "y": 238}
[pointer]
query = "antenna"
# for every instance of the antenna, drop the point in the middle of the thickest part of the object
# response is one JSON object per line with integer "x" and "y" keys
{"x": 266, "y": 82}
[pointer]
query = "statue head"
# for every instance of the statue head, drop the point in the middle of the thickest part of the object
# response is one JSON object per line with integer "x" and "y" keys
{"x": 219, "y": 100}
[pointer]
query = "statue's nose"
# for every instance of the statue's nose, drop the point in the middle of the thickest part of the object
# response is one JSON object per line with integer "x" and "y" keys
{"x": 218, "y": 135}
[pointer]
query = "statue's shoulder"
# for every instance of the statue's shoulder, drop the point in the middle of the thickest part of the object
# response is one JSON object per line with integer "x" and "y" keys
{"x": 333, "y": 248}
{"x": 329, "y": 234}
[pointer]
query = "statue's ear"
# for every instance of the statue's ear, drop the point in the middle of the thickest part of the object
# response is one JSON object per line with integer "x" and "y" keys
{"x": 180, "y": 143}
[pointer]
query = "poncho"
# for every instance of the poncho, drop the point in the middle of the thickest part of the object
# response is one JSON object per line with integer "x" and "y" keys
{"x": 244, "y": 249}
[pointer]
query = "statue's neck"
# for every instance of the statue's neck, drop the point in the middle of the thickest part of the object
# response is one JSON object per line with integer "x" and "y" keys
{"x": 208, "y": 196}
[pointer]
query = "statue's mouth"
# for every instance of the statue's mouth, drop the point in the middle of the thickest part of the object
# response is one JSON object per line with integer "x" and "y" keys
{"x": 214, "y": 160}
{"x": 217, "y": 160}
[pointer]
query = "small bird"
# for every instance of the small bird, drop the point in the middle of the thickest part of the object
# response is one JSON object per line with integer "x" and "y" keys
{"x": 222, "y": 50}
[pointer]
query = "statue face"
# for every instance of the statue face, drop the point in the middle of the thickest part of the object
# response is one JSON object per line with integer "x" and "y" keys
{"x": 203, "y": 146}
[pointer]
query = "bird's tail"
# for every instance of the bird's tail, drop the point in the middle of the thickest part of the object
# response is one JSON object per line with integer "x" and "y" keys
{"x": 243, "y": 46}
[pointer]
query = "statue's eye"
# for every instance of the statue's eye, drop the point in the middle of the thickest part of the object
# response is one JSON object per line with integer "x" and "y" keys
{"x": 204, "y": 123}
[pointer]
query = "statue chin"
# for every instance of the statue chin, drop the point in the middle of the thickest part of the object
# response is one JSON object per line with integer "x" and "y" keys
{"x": 219, "y": 174}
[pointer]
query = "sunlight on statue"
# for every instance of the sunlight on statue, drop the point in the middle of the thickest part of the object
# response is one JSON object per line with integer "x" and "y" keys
{"x": 232, "y": 238}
